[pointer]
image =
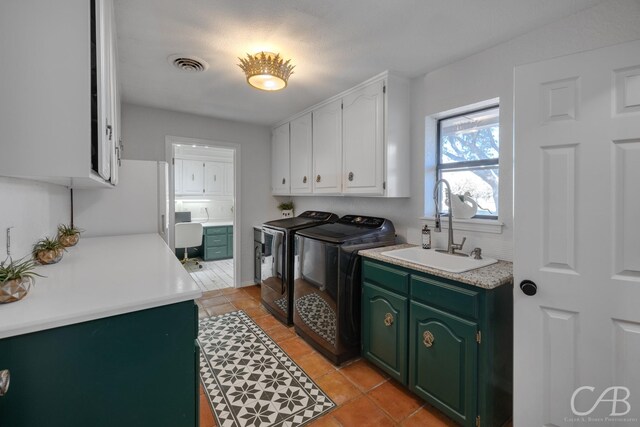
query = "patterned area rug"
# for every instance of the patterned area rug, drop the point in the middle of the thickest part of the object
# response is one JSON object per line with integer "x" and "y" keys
{"x": 250, "y": 381}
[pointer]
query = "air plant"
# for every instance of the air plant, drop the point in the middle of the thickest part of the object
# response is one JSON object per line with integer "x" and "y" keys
{"x": 48, "y": 251}
{"x": 68, "y": 235}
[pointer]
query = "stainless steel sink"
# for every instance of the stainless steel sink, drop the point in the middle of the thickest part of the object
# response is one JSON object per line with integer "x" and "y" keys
{"x": 438, "y": 260}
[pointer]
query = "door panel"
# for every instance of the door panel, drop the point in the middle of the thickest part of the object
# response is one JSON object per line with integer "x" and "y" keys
{"x": 192, "y": 177}
{"x": 327, "y": 148}
{"x": 577, "y": 163}
{"x": 362, "y": 140}
{"x": 214, "y": 176}
{"x": 444, "y": 370}
{"x": 301, "y": 146}
{"x": 384, "y": 330}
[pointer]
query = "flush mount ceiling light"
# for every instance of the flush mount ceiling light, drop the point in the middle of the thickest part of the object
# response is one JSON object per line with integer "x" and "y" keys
{"x": 266, "y": 70}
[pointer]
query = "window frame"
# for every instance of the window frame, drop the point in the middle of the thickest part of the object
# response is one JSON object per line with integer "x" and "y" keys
{"x": 465, "y": 164}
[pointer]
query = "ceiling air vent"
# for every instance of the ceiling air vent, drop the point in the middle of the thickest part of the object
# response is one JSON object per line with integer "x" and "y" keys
{"x": 188, "y": 63}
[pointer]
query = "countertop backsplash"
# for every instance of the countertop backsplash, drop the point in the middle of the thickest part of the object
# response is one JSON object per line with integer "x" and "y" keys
{"x": 34, "y": 210}
{"x": 219, "y": 208}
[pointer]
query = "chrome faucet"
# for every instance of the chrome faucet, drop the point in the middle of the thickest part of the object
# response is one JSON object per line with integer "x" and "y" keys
{"x": 451, "y": 247}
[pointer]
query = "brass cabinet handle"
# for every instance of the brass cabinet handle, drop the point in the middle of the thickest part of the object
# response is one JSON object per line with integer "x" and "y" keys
{"x": 350, "y": 176}
{"x": 428, "y": 338}
{"x": 318, "y": 178}
{"x": 304, "y": 180}
{"x": 5, "y": 379}
{"x": 388, "y": 319}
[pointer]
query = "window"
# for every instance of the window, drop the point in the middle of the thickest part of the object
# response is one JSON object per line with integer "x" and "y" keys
{"x": 468, "y": 158}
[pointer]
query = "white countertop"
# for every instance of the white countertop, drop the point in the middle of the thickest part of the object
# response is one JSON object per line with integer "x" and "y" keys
{"x": 100, "y": 277}
{"x": 216, "y": 223}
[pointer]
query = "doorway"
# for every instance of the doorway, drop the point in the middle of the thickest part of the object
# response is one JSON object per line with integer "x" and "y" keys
{"x": 203, "y": 188}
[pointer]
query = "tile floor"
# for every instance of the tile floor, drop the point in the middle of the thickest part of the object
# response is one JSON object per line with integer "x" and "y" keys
{"x": 365, "y": 395}
{"x": 213, "y": 275}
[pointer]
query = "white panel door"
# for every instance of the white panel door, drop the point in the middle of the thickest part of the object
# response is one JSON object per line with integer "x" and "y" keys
{"x": 327, "y": 148}
{"x": 214, "y": 176}
{"x": 280, "y": 160}
{"x": 301, "y": 146}
{"x": 192, "y": 177}
{"x": 363, "y": 140}
{"x": 577, "y": 237}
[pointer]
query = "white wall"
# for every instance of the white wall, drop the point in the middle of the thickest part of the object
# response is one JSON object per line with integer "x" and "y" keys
{"x": 34, "y": 210}
{"x": 144, "y": 130}
{"x": 483, "y": 76}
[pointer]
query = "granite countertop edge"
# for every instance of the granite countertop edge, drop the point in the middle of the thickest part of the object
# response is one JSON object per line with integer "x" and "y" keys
{"x": 489, "y": 277}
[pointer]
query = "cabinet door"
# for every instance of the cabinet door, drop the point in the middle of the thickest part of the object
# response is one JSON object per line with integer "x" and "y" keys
{"x": 230, "y": 242}
{"x": 105, "y": 372}
{"x": 177, "y": 176}
{"x": 301, "y": 146}
{"x": 443, "y": 363}
{"x": 214, "y": 177}
{"x": 280, "y": 160}
{"x": 327, "y": 148}
{"x": 104, "y": 59}
{"x": 228, "y": 179}
{"x": 384, "y": 330}
{"x": 363, "y": 140}
{"x": 192, "y": 177}
{"x": 114, "y": 93}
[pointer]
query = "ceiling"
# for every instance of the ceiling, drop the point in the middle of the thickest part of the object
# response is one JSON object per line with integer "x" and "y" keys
{"x": 335, "y": 44}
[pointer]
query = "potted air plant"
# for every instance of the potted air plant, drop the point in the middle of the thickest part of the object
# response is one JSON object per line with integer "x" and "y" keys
{"x": 68, "y": 235}
{"x": 16, "y": 279}
{"x": 286, "y": 208}
{"x": 48, "y": 251}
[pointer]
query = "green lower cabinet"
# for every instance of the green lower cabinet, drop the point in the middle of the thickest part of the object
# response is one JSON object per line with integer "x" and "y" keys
{"x": 384, "y": 320}
{"x": 218, "y": 243}
{"x": 443, "y": 361}
{"x": 450, "y": 343}
{"x": 135, "y": 369}
{"x": 230, "y": 243}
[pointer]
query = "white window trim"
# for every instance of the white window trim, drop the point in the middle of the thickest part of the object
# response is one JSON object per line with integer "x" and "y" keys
{"x": 480, "y": 225}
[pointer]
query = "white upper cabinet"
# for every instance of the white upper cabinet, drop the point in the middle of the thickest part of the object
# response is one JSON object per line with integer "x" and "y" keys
{"x": 363, "y": 140}
{"x": 359, "y": 143}
{"x": 214, "y": 178}
{"x": 301, "y": 167}
{"x": 59, "y": 92}
{"x": 280, "y": 160}
{"x": 228, "y": 179}
{"x": 192, "y": 177}
{"x": 327, "y": 148}
{"x": 177, "y": 174}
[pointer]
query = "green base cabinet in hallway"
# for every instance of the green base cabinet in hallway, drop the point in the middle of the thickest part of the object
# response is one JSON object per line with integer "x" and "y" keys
{"x": 448, "y": 342}
{"x": 135, "y": 369}
{"x": 218, "y": 243}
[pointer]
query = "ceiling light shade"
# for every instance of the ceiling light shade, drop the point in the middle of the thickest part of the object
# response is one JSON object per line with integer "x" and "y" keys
{"x": 266, "y": 70}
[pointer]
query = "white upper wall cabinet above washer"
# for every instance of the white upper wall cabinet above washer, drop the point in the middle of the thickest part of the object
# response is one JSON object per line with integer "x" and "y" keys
{"x": 301, "y": 167}
{"x": 360, "y": 142}
{"x": 327, "y": 148}
{"x": 280, "y": 152}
